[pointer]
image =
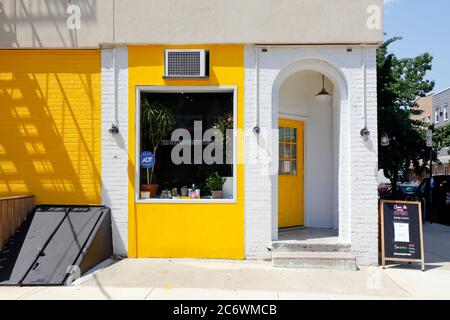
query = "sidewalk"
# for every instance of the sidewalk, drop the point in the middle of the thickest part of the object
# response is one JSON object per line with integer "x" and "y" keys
{"x": 215, "y": 279}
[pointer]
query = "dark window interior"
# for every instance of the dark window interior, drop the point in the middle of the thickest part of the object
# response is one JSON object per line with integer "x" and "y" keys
{"x": 188, "y": 107}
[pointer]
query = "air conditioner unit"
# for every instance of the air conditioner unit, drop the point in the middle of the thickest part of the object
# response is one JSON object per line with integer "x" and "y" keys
{"x": 186, "y": 63}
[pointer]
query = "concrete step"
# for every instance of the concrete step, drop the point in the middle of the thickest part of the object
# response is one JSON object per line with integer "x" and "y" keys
{"x": 293, "y": 246}
{"x": 321, "y": 260}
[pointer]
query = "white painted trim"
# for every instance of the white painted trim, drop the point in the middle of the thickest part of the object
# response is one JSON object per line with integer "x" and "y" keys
{"x": 184, "y": 201}
{"x": 289, "y": 116}
{"x": 191, "y": 89}
{"x": 439, "y": 92}
{"x": 337, "y": 149}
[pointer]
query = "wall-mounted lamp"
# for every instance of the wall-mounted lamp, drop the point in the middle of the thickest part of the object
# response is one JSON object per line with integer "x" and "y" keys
{"x": 323, "y": 96}
{"x": 114, "y": 129}
{"x": 365, "y": 134}
{"x": 384, "y": 140}
{"x": 256, "y": 130}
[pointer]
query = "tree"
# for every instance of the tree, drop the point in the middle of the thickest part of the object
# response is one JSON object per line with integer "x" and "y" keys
{"x": 400, "y": 82}
{"x": 441, "y": 138}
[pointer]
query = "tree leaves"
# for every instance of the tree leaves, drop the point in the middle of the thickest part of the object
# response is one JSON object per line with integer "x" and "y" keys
{"x": 400, "y": 82}
{"x": 441, "y": 138}
{"x": 157, "y": 122}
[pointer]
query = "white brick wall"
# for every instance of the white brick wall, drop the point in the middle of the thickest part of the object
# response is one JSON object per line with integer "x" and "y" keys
{"x": 358, "y": 159}
{"x": 115, "y": 147}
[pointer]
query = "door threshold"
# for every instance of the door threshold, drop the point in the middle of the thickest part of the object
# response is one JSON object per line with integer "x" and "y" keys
{"x": 291, "y": 229}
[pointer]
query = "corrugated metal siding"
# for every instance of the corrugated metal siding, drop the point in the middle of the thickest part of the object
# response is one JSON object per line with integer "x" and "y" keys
{"x": 440, "y": 100}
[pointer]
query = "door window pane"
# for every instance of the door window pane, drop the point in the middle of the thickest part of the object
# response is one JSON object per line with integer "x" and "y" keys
{"x": 287, "y": 167}
{"x": 287, "y": 151}
{"x": 294, "y": 134}
{"x": 287, "y": 134}
{"x": 294, "y": 151}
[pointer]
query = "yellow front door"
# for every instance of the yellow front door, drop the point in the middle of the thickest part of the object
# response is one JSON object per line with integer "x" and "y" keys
{"x": 290, "y": 174}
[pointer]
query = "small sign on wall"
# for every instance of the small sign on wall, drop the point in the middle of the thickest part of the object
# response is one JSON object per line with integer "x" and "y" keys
{"x": 147, "y": 160}
{"x": 401, "y": 232}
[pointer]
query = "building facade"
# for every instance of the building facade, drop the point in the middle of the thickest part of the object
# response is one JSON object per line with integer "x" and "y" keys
{"x": 441, "y": 101}
{"x": 79, "y": 81}
{"x": 425, "y": 104}
{"x": 441, "y": 109}
{"x": 435, "y": 111}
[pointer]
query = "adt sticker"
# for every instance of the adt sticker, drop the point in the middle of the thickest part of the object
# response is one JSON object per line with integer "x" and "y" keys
{"x": 147, "y": 160}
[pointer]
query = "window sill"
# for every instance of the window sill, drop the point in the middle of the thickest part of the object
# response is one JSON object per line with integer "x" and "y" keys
{"x": 185, "y": 201}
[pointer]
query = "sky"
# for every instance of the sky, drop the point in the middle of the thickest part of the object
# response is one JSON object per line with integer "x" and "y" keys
{"x": 425, "y": 27}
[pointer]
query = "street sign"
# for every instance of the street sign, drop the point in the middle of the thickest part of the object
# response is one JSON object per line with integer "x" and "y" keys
{"x": 402, "y": 232}
{"x": 430, "y": 138}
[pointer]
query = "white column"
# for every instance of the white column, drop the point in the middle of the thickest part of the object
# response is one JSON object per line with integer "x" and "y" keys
{"x": 258, "y": 187}
{"x": 364, "y": 163}
{"x": 115, "y": 146}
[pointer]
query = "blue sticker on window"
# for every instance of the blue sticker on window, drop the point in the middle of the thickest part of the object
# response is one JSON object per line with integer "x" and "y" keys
{"x": 147, "y": 160}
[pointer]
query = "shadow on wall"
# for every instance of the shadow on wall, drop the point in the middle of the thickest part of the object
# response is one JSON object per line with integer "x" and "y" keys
{"x": 41, "y": 18}
{"x": 50, "y": 126}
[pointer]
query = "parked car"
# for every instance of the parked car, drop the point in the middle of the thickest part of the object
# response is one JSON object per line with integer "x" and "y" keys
{"x": 404, "y": 191}
{"x": 383, "y": 190}
{"x": 439, "y": 211}
{"x": 408, "y": 190}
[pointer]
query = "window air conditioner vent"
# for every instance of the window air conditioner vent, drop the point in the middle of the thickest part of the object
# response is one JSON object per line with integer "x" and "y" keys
{"x": 186, "y": 64}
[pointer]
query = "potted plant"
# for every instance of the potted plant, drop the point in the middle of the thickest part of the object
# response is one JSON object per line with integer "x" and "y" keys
{"x": 214, "y": 184}
{"x": 157, "y": 122}
{"x": 224, "y": 124}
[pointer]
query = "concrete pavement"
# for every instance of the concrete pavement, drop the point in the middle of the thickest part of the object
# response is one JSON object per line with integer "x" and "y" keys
{"x": 241, "y": 280}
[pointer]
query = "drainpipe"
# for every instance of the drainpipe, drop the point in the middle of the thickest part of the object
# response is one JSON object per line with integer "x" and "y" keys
{"x": 365, "y": 133}
{"x": 257, "y": 128}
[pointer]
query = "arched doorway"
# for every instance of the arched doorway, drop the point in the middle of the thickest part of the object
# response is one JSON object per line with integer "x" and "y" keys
{"x": 317, "y": 202}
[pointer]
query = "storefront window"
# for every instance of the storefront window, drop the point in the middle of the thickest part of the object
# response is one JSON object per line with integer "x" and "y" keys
{"x": 186, "y": 146}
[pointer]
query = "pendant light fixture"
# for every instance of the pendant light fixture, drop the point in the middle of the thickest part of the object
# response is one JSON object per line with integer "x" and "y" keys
{"x": 323, "y": 96}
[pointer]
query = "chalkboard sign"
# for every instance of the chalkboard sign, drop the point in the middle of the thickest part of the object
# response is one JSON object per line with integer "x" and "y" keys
{"x": 401, "y": 232}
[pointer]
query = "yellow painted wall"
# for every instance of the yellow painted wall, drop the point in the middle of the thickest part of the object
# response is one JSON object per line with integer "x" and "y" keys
{"x": 50, "y": 122}
{"x": 186, "y": 230}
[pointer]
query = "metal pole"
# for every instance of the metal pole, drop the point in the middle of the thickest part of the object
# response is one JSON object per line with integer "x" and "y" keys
{"x": 430, "y": 200}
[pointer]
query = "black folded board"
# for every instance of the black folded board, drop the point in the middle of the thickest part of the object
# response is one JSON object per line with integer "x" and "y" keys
{"x": 23, "y": 247}
{"x": 51, "y": 240}
{"x": 402, "y": 232}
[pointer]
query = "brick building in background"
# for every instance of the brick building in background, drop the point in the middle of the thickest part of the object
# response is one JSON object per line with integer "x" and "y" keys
{"x": 425, "y": 104}
{"x": 436, "y": 108}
